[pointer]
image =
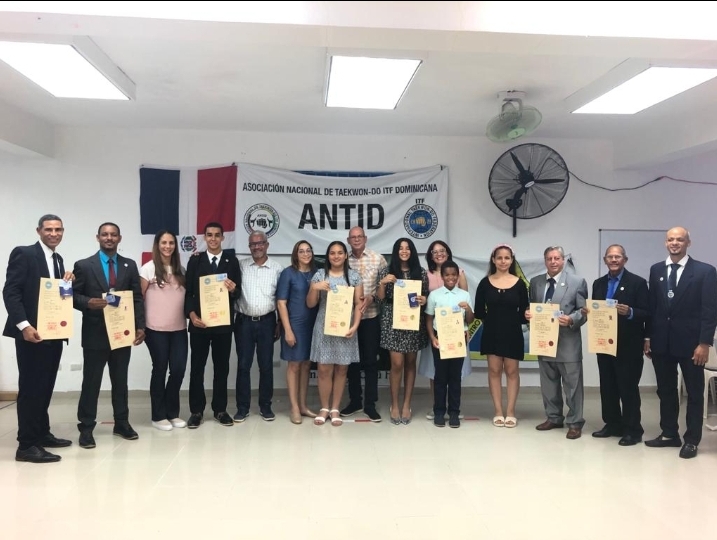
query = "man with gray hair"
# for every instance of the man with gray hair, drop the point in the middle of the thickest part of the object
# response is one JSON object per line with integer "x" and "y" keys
{"x": 568, "y": 293}
{"x": 256, "y": 326}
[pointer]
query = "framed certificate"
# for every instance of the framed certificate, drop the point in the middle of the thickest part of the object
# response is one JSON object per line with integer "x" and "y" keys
{"x": 339, "y": 307}
{"x": 119, "y": 319}
{"x": 544, "y": 328}
{"x": 54, "y": 311}
{"x": 602, "y": 327}
{"x": 214, "y": 300}
{"x": 451, "y": 333}
{"x": 406, "y": 317}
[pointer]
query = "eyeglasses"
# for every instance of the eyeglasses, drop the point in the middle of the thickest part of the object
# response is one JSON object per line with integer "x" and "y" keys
{"x": 359, "y": 237}
{"x": 438, "y": 252}
{"x": 256, "y": 244}
{"x": 305, "y": 252}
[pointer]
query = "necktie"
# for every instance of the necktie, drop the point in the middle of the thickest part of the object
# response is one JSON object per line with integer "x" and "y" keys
{"x": 672, "y": 281}
{"x": 113, "y": 276}
{"x": 551, "y": 290}
{"x": 611, "y": 286}
{"x": 56, "y": 265}
{"x": 215, "y": 266}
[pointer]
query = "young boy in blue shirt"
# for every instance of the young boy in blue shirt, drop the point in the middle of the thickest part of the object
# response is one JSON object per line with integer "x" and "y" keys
{"x": 448, "y": 371}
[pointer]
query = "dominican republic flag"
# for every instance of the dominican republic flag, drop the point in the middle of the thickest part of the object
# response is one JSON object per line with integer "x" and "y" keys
{"x": 183, "y": 201}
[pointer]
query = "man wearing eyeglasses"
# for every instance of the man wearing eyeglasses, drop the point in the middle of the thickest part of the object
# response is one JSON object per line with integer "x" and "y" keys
{"x": 367, "y": 263}
{"x": 256, "y": 326}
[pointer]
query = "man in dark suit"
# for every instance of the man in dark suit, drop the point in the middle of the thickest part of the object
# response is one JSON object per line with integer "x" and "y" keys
{"x": 102, "y": 273}
{"x": 680, "y": 330}
{"x": 620, "y": 374}
{"x": 213, "y": 261}
{"x": 37, "y": 360}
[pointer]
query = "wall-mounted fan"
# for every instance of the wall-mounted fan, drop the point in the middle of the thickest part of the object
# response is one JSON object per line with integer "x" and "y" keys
{"x": 514, "y": 119}
{"x": 528, "y": 181}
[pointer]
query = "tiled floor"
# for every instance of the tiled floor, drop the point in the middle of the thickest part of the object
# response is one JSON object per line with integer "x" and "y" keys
{"x": 275, "y": 480}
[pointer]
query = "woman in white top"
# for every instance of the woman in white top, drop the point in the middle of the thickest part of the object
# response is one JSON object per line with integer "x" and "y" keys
{"x": 162, "y": 281}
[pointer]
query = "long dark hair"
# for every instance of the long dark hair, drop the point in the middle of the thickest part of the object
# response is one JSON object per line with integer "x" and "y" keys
{"x": 414, "y": 265}
{"x": 492, "y": 269}
{"x": 295, "y": 256}
{"x": 160, "y": 272}
{"x": 432, "y": 266}
{"x": 327, "y": 262}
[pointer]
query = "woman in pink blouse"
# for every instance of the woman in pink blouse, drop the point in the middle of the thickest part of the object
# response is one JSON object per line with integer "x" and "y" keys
{"x": 162, "y": 281}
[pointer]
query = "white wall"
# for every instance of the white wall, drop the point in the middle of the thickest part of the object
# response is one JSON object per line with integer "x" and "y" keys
{"x": 94, "y": 178}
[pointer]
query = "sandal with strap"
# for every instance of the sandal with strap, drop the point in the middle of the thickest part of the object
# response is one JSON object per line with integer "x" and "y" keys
{"x": 511, "y": 421}
{"x": 336, "y": 420}
{"x": 499, "y": 421}
{"x": 320, "y": 419}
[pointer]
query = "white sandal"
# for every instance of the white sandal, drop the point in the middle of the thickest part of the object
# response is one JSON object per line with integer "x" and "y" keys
{"x": 337, "y": 421}
{"x": 498, "y": 421}
{"x": 510, "y": 421}
{"x": 321, "y": 420}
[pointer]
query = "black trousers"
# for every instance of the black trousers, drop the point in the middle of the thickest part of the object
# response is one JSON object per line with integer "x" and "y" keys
{"x": 694, "y": 376}
{"x": 446, "y": 384}
{"x": 369, "y": 336}
{"x": 92, "y": 372}
{"x": 255, "y": 335}
{"x": 168, "y": 350}
{"x": 620, "y": 384}
{"x": 37, "y": 365}
{"x": 221, "y": 345}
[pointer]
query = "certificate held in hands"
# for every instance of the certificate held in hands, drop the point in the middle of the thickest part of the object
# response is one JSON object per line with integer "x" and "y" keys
{"x": 339, "y": 306}
{"x": 544, "y": 328}
{"x": 214, "y": 300}
{"x": 54, "y": 311}
{"x": 451, "y": 334}
{"x": 406, "y": 317}
{"x": 602, "y": 327}
{"x": 119, "y": 318}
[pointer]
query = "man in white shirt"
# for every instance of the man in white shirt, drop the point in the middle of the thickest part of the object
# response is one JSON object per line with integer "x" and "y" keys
{"x": 257, "y": 326}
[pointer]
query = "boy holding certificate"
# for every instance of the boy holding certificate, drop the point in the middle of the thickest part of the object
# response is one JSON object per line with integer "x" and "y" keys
{"x": 443, "y": 306}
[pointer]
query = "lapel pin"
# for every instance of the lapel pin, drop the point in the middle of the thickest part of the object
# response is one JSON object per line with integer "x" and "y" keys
{"x": 622, "y": 288}
{"x": 661, "y": 279}
{"x": 125, "y": 265}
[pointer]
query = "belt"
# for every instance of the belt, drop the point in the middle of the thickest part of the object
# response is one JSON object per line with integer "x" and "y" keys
{"x": 259, "y": 318}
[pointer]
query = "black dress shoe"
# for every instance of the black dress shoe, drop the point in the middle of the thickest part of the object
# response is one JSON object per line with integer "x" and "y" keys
{"x": 688, "y": 451}
{"x": 36, "y": 454}
{"x": 50, "y": 441}
{"x": 606, "y": 432}
{"x": 664, "y": 442}
{"x": 87, "y": 441}
{"x": 125, "y": 431}
{"x": 224, "y": 419}
{"x": 195, "y": 420}
{"x": 629, "y": 440}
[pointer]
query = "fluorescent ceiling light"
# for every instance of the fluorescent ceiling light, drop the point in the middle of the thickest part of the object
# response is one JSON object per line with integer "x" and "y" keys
{"x": 652, "y": 86}
{"x": 60, "y": 69}
{"x": 368, "y": 83}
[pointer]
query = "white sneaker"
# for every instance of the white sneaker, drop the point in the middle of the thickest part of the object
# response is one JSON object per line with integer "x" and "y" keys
{"x": 162, "y": 425}
{"x": 178, "y": 423}
{"x": 430, "y": 415}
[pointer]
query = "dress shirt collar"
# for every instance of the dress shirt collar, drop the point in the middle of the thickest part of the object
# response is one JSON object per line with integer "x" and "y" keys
{"x": 682, "y": 262}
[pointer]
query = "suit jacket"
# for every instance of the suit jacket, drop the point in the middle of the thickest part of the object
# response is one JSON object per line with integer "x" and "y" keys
{"x": 690, "y": 319}
{"x": 632, "y": 291}
{"x": 570, "y": 294}
{"x": 199, "y": 266}
{"x": 21, "y": 292}
{"x": 90, "y": 282}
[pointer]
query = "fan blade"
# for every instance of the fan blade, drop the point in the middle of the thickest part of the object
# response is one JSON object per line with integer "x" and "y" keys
{"x": 517, "y": 163}
{"x": 550, "y": 181}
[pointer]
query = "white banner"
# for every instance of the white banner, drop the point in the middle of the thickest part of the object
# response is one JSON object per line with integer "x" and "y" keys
{"x": 290, "y": 206}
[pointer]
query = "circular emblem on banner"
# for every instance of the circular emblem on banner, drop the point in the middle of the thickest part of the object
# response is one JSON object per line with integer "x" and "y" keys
{"x": 261, "y": 218}
{"x": 420, "y": 221}
{"x": 188, "y": 243}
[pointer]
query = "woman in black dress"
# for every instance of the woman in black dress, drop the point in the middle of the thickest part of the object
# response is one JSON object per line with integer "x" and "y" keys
{"x": 501, "y": 301}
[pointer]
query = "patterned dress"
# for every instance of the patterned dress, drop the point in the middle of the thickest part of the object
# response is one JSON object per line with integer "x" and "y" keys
{"x": 404, "y": 341}
{"x": 333, "y": 349}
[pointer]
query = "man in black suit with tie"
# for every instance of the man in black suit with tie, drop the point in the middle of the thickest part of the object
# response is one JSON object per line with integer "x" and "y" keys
{"x": 680, "y": 330}
{"x": 37, "y": 360}
{"x": 102, "y": 273}
{"x": 620, "y": 374}
{"x": 213, "y": 261}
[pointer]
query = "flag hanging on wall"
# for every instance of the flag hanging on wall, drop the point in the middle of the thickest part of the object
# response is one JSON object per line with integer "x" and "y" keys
{"x": 183, "y": 201}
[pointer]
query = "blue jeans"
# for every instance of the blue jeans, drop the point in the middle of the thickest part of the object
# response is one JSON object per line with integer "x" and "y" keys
{"x": 167, "y": 349}
{"x": 254, "y": 335}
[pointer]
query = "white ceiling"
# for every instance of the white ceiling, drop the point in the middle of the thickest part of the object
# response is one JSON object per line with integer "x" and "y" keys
{"x": 252, "y": 76}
